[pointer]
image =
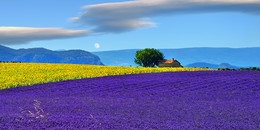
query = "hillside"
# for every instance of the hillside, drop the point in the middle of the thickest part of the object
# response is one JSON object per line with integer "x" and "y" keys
{"x": 212, "y": 66}
{"x": 44, "y": 73}
{"x": 242, "y": 57}
{"x": 162, "y": 101}
{"x": 42, "y": 55}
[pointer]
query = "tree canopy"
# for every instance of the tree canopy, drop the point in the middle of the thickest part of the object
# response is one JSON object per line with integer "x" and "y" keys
{"x": 148, "y": 57}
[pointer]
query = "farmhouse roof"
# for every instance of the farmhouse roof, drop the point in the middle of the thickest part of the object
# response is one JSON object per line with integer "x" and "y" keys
{"x": 168, "y": 61}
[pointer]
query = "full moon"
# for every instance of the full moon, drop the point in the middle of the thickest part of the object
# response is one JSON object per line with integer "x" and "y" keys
{"x": 97, "y": 45}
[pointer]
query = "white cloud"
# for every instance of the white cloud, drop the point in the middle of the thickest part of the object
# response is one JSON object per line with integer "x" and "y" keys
{"x": 21, "y": 35}
{"x": 130, "y": 15}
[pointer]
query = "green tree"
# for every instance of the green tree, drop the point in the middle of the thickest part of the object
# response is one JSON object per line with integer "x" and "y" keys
{"x": 148, "y": 57}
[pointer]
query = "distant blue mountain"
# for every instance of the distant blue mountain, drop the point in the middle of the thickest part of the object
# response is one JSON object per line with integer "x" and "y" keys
{"x": 41, "y": 55}
{"x": 226, "y": 65}
{"x": 212, "y": 66}
{"x": 208, "y": 57}
{"x": 242, "y": 57}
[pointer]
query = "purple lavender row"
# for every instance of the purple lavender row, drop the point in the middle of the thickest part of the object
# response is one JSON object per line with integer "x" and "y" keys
{"x": 168, "y": 100}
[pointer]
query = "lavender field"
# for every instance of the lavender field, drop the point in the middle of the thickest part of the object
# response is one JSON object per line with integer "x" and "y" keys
{"x": 167, "y": 100}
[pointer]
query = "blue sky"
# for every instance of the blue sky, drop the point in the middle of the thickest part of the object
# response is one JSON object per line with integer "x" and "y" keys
{"x": 160, "y": 24}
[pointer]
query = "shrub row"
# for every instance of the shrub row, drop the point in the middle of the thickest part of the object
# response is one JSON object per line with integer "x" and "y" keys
{"x": 10, "y": 62}
{"x": 250, "y": 68}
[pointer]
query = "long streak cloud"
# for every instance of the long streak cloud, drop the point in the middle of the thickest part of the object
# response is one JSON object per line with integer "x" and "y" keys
{"x": 132, "y": 15}
{"x": 22, "y": 35}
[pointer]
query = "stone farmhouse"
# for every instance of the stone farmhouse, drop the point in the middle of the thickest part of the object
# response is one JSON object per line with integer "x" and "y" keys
{"x": 169, "y": 63}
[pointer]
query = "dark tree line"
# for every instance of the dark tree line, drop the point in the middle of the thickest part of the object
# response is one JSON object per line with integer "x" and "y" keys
{"x": 250, "y": 68}
{"x": 10, "y": 62}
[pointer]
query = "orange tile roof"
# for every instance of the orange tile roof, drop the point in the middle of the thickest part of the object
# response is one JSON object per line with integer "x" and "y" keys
{"x": 168, "y": 61}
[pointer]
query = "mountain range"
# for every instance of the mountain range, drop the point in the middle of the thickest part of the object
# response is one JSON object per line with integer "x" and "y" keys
{"x": 241, "y": 57}
{"x": 42, "y": 55}
{"x": 212, "y": 66}
{"x": 188, "y": 57}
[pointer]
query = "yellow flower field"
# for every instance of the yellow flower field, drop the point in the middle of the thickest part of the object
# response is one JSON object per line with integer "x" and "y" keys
{"x": 23, "y": 74}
